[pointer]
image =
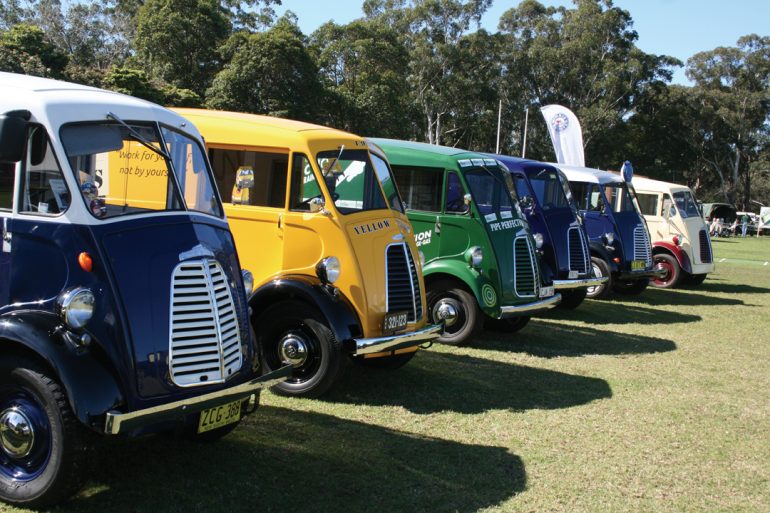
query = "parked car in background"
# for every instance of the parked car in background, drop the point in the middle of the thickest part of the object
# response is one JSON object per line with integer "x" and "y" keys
{"x": 681, "y": 245}
{"x": 343, "y": 276}
{"x": 122, "y": 302}
{"x": 619, "y": 240}
{"x": 481, "y": 262}
{"x": 560, "y": 237}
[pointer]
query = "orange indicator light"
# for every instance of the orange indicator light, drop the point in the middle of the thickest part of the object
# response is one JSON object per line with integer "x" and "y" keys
{"x": 616, "y": 260}
{"x": 85, "y": 261}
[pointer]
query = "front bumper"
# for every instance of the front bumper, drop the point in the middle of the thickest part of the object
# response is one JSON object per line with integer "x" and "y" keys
{"x": 118, "y": 422}
{"x": 391, "y": 343}
{"x": 638, "y": 275}
{"x": 579, "y": 283}
{"x": 529, "y": 308}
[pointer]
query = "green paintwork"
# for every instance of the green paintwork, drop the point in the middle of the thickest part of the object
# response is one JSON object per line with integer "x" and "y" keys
{"x": 444, "y": 251}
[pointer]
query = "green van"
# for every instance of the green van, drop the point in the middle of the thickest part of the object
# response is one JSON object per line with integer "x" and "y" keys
{"x": 480, "y": 258}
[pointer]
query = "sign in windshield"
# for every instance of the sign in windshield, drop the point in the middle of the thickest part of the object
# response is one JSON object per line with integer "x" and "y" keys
{"x": 124, "y": 170}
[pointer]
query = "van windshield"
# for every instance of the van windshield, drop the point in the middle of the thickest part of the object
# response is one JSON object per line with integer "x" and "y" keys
{"x": 124, "y": 171}
{"x": 351, "y": 180}
{"x": 491, "y": 188}
{"x": 686, "y": 204}
{"x": 548, "y": 189}
{"x": 618, "y": 197}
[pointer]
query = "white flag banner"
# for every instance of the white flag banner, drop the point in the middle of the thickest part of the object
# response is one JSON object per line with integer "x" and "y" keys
{"x": 566, "y": 135}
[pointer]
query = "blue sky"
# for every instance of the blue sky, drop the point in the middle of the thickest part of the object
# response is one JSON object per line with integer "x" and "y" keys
{"x": 679, "y": 28}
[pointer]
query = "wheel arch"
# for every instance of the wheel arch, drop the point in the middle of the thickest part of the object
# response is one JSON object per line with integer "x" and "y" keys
{"x": 598, "y": 250}
{"x": 675, "y": 251}
{"x": 91, "y": 386}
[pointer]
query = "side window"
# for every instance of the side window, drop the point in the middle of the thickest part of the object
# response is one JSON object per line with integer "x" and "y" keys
{"x": 7, "y": 182}
{"x": 421, "y": 187}
{"x": 648, "y": 203}
{"x": 43, "y": 188}
{"x": 304, "y": 185}
{"x": 268, "y": 188}
{"x": 455, "y": 194}
{"x": 595, "y": 198}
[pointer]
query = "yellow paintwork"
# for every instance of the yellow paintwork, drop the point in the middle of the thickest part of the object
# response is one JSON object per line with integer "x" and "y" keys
{"x": 274, "y": 242}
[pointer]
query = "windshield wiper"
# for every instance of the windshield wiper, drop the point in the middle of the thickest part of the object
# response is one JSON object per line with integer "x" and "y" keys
{"x": 339, "y": 155}
{"x": 141, "y": 140}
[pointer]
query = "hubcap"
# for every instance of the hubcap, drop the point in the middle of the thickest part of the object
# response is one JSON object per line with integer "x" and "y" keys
{"x": 17, "y": 435}
{"x": 293, "y": 349}
{"x": 445, "y": 310}
{"x": 598, "y": 274}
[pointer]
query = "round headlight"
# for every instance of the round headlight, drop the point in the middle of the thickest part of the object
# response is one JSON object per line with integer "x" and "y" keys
{"x": 538, "y": 240}
{"x": 609, "y": 237}
{"x": 328, "y": 269}
{"x": 248, "y": 282}
{"x": 76, "y": 307}
{"x": 474, "y": 256}
{"x": 422, "y": 258}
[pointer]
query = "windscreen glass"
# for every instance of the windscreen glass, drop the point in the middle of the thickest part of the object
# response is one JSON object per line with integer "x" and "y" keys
{"x": 686, "y": 204}
{"x": 351, "y": 180}
{"x": 548, "y": 189}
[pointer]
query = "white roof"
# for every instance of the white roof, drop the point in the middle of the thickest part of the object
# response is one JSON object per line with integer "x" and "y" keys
{"x": 588, "y": 174}
{"x": 649, "y": 185}
{"x": 53, "y": 103}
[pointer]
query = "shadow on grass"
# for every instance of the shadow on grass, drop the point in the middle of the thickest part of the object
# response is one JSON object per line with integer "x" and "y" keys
{"x": 730, "y": 288}
{"x": 286, "y": 460}
{"x": 656, "y": 297}
{"x": 548, "y": 340}
{"x": 608, "y": 312}
{"x": 435, "y": 382}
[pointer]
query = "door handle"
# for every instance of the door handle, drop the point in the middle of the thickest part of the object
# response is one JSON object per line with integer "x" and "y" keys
{"x": 280, "y": 221}
{"x": 437, "y": 227}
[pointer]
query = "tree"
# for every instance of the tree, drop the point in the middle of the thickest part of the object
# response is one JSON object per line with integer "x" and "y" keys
{"x": 269, "y": 73}
{"x": 23, "y": 49}
{"x": 362, "y": 67}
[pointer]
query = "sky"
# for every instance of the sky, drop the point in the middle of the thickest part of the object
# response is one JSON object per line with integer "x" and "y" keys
{"x": 679, "y": 28}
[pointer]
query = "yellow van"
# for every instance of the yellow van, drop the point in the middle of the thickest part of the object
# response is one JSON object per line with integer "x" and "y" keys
{"x": 319, "y": 222}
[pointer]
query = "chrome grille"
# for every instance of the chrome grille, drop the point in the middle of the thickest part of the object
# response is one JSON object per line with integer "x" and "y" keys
{"x": 525, "y": 272}
{"x": 577, "y": 247}
{"x": 705, "y": 247}
{"x": 402, "y": 282}
{"x": 642, "y": 247}
{"x": 205, "y": 339}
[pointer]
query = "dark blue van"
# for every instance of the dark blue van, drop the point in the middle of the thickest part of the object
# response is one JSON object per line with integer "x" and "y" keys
{"x": 618, "y": 237}
{"x": 123, "y": 308}
{"x": 546, "y": 200}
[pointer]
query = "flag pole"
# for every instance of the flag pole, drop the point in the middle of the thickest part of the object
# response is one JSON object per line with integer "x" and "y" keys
{"x": 499, "y": 117}
{"x": 526, "y": 122}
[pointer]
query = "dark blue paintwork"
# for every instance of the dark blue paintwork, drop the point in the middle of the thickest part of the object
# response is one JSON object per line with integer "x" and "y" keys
{"x": 133, "y": 263}
{"x": 553, "y": 223}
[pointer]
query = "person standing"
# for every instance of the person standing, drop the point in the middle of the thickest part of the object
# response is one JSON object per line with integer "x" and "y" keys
{"x": 744, "y": 224}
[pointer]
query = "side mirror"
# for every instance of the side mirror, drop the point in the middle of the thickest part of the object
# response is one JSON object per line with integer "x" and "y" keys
{"x": 245, "y": 178}
{"x": 467, "y": 200}
{"x": 317, "y": 204}
{"x": 13, "y": 134}
{"x": 526, "y": 202}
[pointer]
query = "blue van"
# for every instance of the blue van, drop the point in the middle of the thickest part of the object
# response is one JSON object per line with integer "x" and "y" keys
{"x": 561, "y": 240}
{"x": 123, "y": 308}
{"x": 618, "y": 237}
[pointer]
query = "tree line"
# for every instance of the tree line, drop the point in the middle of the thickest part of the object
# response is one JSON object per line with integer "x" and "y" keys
{"x": 425, "y": 70}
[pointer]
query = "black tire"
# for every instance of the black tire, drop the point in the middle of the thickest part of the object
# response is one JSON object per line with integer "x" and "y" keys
{"x": 631, "y": 288}
{"x": 54, "y": 467}
{"x": 323, "y": 362}
{"x": 601, "y": 268}
{"x": 571, "y": 299}
{"x": 509, "y": 325}
{"x": 469, "y": 320}
{"x": 673, "y": 271}
{"x": 393, "y": 362}
{"x": 693, "y": 280}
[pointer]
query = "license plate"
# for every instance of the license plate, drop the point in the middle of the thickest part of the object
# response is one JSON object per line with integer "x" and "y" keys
{"x": 573, "y": 275}
{"x": 394, "y": 322}
{"x": 219, "y": 416}
{"x": 546, "y": 291}
{"x": 638, "y": 265}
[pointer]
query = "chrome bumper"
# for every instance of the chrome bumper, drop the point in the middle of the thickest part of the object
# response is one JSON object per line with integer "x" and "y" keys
{"x": 635, "y": 275}
{"x": 530, "y": 308}
{"x": 117, "y": 422}
{"x": 579, "y": 283}
{"x": 394, "y": 342}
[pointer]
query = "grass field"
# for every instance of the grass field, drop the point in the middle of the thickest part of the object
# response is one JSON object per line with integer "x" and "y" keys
{"x": 655, "y": 403}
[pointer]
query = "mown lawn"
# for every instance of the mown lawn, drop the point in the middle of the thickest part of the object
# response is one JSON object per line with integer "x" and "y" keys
{"x": 655, "y": 403}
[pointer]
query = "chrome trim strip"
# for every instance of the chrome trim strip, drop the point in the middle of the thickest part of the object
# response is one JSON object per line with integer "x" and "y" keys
{"x": 579, "y": 283}
{"x": 536, "y": 306}
{"x": 117, "y": 422}
{"x": 393, "y": 342}
{"x": 652, "y": 273}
